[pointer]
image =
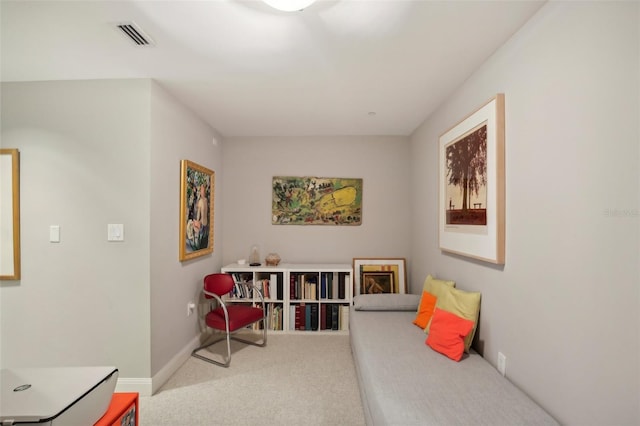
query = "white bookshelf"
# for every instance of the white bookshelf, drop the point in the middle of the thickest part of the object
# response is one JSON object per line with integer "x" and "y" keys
{"x": 301, "y": 298}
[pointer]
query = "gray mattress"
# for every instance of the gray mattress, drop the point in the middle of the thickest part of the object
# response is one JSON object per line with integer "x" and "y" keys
{"x": 404, "y": 382}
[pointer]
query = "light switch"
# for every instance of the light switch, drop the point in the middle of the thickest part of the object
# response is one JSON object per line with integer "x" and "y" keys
{"x": 54, "y": 233}
{"x": 115, "y": 232}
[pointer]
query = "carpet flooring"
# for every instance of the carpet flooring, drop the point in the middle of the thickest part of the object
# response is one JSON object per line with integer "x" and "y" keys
{"x": 295, "y": 380}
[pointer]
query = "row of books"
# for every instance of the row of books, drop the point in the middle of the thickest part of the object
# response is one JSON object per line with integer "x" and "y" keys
{"x": 274, "y": 317}
{"x": 243, "y": 287}
{"x": 304, "y": 317}
{"x": 332, "y": 286}
{"x": 314, "y": 316}
{"x": 271, "y": 287}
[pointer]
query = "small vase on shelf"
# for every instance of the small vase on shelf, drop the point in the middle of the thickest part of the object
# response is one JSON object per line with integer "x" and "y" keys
{"x": 254, "y": 257}
{"x": 272, "y": 259}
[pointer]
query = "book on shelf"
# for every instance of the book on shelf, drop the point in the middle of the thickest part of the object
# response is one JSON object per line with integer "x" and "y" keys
{"x": 240, "y": 290}
{"x": 314, "y": 316}
{"x": 260, "y": 324}
{"x": 328, "y": 320}
{"x": 335, "y": 324}
{"x": 344, "y": 317}
{"x": 323, "y": 286}
{"x": 301, "y": 316}
{"x": 236, "y": 286}
{"x": 307, "y": 316}
{"x": 300, "y": 286}
{"x": 343, "y": 277}
{"x": 312, "y": 281}
{"x": 275, "y": 317}
{"x": 280, "y": 289}
{"x": 328, "y": 279}
{"x": 270, "y": 316}
{"x": 243, "y": 285}
{"x": 310, "y": 290}
{"x": 273, "y": 286}
{"x": 323, "y": 316}
{"x": 293, "y": 294}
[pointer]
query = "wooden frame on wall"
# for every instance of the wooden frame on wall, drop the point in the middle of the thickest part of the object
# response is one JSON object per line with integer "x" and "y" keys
{"x": 10, "y": 214}
{"x": 197, "y": 185}
{"x": 310, "y": 200}
{"x": 389, "y": 274}
{"x": 472, "y": 185}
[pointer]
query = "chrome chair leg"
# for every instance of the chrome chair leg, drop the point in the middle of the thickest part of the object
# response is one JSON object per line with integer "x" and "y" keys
{"x": 227, "y": 359}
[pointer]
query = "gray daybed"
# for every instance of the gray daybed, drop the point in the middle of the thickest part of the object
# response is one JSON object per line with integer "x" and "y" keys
{"x": 404, "y": 382}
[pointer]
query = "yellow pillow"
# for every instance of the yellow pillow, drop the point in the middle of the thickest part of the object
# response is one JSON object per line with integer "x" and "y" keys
{"x": 437, "y": 287}
{"x": 465, "y": 304}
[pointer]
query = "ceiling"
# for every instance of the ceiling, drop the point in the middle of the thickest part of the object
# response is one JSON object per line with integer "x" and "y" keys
{"x": 339, "y": 67}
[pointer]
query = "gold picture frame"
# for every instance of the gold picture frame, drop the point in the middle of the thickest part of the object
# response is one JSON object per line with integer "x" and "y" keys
{"x": 472, "y": 185}
{"x": 10, "y": 214}
{"x": 197, "y": 185}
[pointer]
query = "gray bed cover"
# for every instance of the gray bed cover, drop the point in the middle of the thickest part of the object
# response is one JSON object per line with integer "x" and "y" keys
{"x": 404, "y": 382}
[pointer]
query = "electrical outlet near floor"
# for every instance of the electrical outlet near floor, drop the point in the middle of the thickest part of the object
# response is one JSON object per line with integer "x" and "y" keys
{"x": 190, "y": 308}
{"x": 502, "y": 363}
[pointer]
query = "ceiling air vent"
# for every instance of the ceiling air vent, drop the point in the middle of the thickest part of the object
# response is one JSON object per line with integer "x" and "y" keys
{"x": 135, "y": 34}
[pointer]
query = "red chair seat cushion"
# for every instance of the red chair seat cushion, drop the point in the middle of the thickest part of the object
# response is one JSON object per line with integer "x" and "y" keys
{"x": 239, "y": 316}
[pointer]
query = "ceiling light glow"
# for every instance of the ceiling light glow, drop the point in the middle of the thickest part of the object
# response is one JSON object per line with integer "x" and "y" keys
{"x": 289, "y": 5}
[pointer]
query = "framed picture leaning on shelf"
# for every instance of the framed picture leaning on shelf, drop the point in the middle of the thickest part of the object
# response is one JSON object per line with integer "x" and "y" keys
{"x": 197, "y": 184}
{"x": 379, "y": 275}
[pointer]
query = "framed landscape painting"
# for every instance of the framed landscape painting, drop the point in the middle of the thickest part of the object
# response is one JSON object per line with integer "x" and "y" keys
{"x": 379, "y": 275}
{"x": 197, "y": 184}
{"x": 472, "y": 185}
{"x": 316, "y": 201}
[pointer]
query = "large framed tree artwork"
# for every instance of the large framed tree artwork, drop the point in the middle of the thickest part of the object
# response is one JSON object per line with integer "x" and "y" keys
{"x": 472, "y": 185}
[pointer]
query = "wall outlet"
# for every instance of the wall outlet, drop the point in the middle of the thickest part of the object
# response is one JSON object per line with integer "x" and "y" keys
{"x": 190, "y": 308}
{"x": 502, "y": 363}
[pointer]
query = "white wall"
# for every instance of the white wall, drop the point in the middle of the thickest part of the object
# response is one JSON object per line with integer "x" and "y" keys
{"x": 565, "y": 307}
{"x": 176, "y": 134}
{"x": 83, "y": 164}
{"x": 93, "y": 153}
{"x": 251, "y": 163}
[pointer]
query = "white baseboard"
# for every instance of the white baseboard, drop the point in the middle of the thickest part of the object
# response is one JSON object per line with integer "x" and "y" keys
{"x": 172, "y": 366}
{"x": 149, "y": 386}
{"x": 141, "y": 385}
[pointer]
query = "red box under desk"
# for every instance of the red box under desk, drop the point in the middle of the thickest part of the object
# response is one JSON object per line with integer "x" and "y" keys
{"x": 123, "y": 410}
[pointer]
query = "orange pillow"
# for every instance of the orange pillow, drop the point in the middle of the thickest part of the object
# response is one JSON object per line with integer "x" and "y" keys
{"x": 447, "y": 333}
{"x": 425, "y": 310}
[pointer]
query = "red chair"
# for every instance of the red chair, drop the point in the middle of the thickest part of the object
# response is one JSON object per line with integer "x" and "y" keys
{"x": 230, "y": 317}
